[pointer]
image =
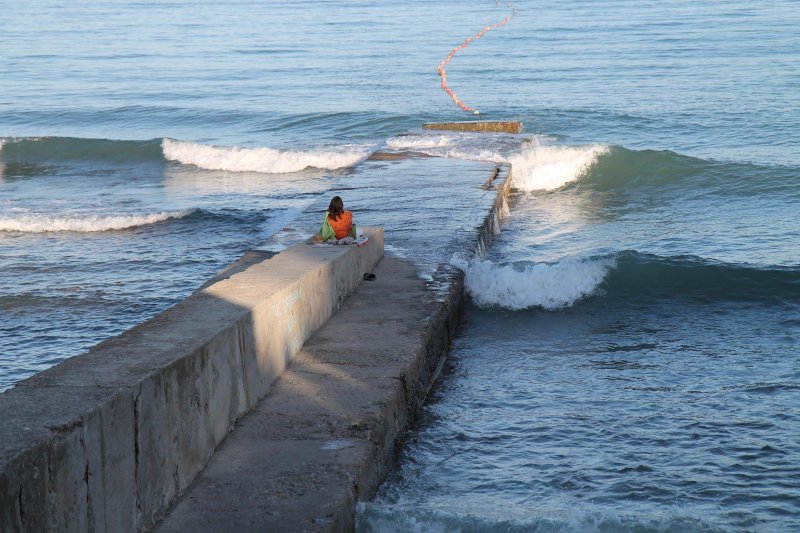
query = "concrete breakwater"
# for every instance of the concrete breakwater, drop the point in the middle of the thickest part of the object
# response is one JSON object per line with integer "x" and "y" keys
{"x": 326, "y": 434}
{"x": 110, "y": 440}
{"x": 106, "y": 441}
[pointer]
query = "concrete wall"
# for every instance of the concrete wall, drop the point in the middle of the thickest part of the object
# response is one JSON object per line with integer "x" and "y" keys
{"x": 107, "y": 440}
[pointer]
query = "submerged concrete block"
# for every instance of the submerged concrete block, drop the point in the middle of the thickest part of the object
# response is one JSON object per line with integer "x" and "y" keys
{"x": 107, "y": 440}
{"x": 482, "y": 126}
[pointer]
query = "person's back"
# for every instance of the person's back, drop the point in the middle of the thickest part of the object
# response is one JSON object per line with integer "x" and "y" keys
{"x": 342, "y": 225}
{"x": 338, "y": 223}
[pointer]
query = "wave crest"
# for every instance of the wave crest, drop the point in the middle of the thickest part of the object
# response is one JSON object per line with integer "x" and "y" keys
{"x": 86, "y": 224}
{"x": 627, "y": 277}
{"x": 526, "y": 285}
{"x": 551, "y": 167}
{"x": 265, "y": 160}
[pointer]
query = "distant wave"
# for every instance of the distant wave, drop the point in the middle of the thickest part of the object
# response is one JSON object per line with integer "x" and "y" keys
{"x": 234, "y": 159}
{"x": 630, "y": 276}
{"x": 552, "y": 167}
{"x": 32, "y": 149}
{"x": 84, "y": 224}
{"x": 266, "y": 160}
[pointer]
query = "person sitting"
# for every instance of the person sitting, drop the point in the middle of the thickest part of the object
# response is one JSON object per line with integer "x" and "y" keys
{"x": 338, "y": 222}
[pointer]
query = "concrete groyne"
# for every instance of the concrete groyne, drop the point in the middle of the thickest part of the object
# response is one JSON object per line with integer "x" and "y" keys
{"x": 326, "y": 435}
{"x": 108, "y": 440}
{"x": 141, "y": 425}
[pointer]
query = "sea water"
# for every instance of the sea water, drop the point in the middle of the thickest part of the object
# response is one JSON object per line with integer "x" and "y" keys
{"x": 629, "y": 359}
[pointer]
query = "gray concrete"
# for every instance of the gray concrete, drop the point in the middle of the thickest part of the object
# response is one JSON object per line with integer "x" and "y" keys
{"x": 107, "y": 440}
{"x": 326, "y": 434}
{"x": 483, "y": 126}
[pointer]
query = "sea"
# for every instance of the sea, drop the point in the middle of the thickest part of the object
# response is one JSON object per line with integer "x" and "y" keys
{"x": 629, "y": 359}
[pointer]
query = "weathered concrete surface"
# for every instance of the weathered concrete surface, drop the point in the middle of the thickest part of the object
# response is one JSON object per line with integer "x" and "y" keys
{"x": 483, "y": 126}
{"x": 325, "y": 435}
{"x": 107, "y": 440}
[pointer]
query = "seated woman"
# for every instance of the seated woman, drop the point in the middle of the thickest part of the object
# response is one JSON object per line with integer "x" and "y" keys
{"x": 338, "y": 223}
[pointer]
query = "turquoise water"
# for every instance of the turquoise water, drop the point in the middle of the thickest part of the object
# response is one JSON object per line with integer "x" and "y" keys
{"x": 629, "y": 360}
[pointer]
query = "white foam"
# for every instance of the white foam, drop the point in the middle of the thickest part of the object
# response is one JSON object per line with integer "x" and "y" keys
{"x": 265, "y": 160}
{"x": 533, "y": 285}
{"x": 419, "y": 142}
{"x": 470, "y": 147}
{"x": 552, "y": 167}
{"x": 475, "y": 155}
{"x": 42, "y": 224}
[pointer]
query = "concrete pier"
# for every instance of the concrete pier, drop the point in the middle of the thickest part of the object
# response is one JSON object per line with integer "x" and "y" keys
{"x": 325, "y": 436}
{"x": 106, "y": 441}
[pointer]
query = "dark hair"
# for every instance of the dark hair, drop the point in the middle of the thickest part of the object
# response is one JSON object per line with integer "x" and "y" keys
{"x": 336, "y": 208}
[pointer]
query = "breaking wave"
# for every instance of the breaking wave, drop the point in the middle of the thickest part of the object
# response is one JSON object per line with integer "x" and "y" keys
{"x": 552, "y": 167}
{"x": 86, "y": 224}
{"x": 524, "y": 285}
{"x": 264, "y": 160}
{"x": 627, "y": 276}
{"x": 234, "y": 159}
{"x": 535, "y": 166}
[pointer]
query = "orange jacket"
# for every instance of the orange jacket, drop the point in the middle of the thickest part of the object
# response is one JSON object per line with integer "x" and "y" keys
{"x": 343, "y": 226}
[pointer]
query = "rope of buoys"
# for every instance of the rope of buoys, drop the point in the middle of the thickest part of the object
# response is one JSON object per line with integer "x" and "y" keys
{"x": 463, "y": 45}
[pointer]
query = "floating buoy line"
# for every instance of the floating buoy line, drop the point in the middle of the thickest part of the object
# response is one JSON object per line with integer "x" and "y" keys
{"x": 446, "y": 60}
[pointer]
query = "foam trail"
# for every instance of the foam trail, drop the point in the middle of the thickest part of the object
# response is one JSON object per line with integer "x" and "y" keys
{"x": 551, "y": 167}
{"x": 533, "y": 285}
{"x": 42, "y": 224}
{"x": 265, "y": 160}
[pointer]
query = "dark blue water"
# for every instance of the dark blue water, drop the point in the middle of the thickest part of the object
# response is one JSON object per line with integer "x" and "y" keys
{"x": 630, "y": 359}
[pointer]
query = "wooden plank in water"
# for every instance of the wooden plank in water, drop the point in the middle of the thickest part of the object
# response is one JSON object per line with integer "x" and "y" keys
{"x": 483, "y": 126}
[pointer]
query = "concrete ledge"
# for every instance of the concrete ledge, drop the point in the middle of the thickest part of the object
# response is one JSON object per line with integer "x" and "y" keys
{"x": 482, "y": 126}
{"x": 107, "y": 440}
